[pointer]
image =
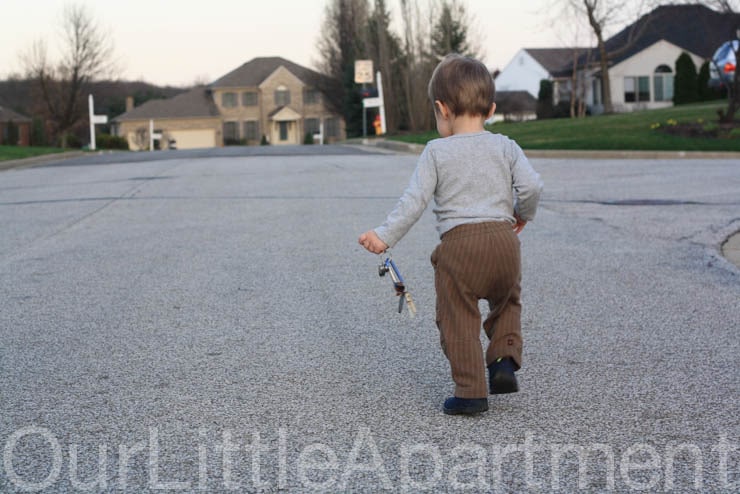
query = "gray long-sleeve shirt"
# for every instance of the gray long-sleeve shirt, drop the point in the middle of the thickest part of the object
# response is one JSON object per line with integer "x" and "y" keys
{"x": 473, "y": 178}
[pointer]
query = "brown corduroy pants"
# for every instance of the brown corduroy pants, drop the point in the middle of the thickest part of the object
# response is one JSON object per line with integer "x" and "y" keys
{"x": 478, "y": 261}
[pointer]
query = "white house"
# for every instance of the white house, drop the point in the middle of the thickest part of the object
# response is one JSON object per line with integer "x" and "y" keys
{"x": 531, "y": 65}
{"x": 641, "y": 68}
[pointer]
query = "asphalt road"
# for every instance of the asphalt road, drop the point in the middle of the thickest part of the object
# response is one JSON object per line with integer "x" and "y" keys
{"x": 208, "y": 323}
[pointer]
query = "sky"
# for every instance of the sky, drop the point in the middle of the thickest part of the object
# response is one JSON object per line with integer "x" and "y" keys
{"x": 180, "y": 42}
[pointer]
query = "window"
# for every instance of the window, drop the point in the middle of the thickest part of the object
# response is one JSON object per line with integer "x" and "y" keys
{"x": 249, "y": 98}
{"x": 312, "y": 126}
{"x": 636, "y": 89}
{"x": 228, "y": 100}
{"x": 282, "y": 96}
{"x": 311, "y": 97}
{"x": 251, "y": 130}
{"x": 231, "y": 133}
{"x": 331, "y": 127}
{"x": 663, "y": 83}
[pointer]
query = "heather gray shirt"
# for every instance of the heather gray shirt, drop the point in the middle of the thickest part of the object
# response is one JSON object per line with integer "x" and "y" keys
{"x": 473, "y": 178}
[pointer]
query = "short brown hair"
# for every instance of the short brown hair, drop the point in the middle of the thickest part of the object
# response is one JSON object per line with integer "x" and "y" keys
{"x": 463, "y": 84}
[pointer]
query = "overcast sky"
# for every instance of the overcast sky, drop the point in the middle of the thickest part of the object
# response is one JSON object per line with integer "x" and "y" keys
{"x": 179, "y": 42}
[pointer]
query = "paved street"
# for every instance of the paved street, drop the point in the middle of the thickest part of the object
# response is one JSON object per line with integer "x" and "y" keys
{"x": 207, "y": 322}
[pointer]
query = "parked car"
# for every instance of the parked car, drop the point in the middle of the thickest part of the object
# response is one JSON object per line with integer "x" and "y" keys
{"x": 724, "y": 61}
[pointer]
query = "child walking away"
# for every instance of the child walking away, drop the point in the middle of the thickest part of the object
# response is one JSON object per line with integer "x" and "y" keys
{"x": 485, "y": 191}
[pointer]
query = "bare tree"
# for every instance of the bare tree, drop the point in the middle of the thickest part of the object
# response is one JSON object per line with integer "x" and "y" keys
{"x": 726, "y": 6}
{"x": 86, "y": 55}
{"x": 733, "y": 103}
{"x": 417, "y": 67}
{"x": 602, "y": 15}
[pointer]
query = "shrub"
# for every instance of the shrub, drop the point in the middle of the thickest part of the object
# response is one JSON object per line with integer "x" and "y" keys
{"x": 308, "y": 139}
{"x": 545, "y": 100}
{"x": 107, "y": 141}
{"x": 703, "y": 92}
{"x": 684, "y": 84}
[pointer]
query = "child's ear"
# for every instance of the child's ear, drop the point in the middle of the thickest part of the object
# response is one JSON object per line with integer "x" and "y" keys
{"x": 441, "y": 108}
{"x": 491, "y": 111}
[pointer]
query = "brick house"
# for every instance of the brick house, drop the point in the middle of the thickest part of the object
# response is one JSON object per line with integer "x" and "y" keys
{"x": 14, "y": 126}
{"x": 267, "y": 98}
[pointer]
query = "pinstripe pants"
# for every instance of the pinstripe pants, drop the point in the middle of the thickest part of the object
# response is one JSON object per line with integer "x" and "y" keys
{"x": 478, "y": 261}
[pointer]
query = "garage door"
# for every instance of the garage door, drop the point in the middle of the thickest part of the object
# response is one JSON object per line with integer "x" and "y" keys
{"x": 191, "y": 139}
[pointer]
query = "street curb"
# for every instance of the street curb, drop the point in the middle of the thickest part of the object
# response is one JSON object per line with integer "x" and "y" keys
{"x": 39, "y": 160}
{"x": 406, "y": 147}
{"x": 731, "y": 249}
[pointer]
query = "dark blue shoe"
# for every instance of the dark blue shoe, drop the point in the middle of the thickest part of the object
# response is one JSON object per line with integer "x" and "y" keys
{"x": 465, "y": 406}
{"x": 501, "y": 378}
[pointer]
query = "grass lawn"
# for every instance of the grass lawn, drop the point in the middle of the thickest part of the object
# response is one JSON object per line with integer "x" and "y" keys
{"x": 624, "y": 131}
{"x": 20, "y": 152}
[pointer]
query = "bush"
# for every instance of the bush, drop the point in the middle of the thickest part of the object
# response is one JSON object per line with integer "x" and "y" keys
{"x": 703, "y": 92}
{"x": 12, "y": 134}
{"x": 308, "y": 139}
{"x": 107, "y": 141}
{"x": 264, "y": 142}
{"x": 545, "y": 100}
{"x": 685, "y": 82}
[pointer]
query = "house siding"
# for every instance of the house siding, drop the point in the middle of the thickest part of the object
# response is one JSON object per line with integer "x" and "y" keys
{"x": 643, "y": 64}
{"x": 523, "y": 73}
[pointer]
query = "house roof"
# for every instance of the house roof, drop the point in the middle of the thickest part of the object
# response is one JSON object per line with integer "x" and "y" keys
{"x": 695, "y": 28}
{"x": 254, "y": 72}
{"x": 196, "y": 103}
{"x": 6, "y": 115}
{"x": 508, "y": 102}
{"x": 284, "y": 114}
{"x": 555, "y": 60}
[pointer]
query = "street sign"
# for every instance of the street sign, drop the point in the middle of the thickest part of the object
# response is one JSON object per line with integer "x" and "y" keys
{"x": 363, "y": 71}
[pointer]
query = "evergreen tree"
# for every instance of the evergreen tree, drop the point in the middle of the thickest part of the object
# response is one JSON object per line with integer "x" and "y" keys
{"x": 545, "y": 100}
{"x": 341, "y": 43}
{"x": 704, "y": 93}
{"x": 450, "y": 33}
{"x": 685, "y": 82}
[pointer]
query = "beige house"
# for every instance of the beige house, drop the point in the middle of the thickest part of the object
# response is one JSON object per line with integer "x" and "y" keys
{"x": 268, "y": 100}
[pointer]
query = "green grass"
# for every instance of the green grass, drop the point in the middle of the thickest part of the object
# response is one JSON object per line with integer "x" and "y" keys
{"x": 20, "y": 152}
{"x": 624, "y": 131}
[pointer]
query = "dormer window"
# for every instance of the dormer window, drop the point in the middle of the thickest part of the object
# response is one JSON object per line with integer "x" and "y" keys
{"x": 282, "y": 96}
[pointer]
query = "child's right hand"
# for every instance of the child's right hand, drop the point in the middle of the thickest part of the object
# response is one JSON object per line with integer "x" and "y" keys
{"x": 519, "y": 225}
{"x": 372, "y": 242}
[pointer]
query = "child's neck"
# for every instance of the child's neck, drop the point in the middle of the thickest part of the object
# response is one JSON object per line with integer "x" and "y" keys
{"x": 466, "y": 124}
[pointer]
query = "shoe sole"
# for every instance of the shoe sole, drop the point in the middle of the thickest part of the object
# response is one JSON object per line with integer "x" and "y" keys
{"x": 464, "y": 411}
{"x": 503, "y": 384}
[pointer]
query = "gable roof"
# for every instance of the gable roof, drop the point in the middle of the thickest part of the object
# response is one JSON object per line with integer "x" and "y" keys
{"x": 508, "y": 102}
{"x": 191, "y": 104}
{"x": 254, "y": 72}
{"x": 555, "y": 60}
{"x": 695, "y": 28}
{"x": 6, "y": 115}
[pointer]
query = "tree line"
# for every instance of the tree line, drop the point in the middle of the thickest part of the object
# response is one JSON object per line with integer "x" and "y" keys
{"x": 361, "y": 29}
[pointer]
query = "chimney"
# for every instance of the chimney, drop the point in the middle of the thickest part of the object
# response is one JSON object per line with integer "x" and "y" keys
{"x": 129, "y": 103}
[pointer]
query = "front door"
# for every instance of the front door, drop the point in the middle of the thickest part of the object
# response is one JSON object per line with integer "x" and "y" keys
{"x": 283, "y": 131}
